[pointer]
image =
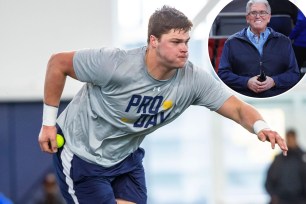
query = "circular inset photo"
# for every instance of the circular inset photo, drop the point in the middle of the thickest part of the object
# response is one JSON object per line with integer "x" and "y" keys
{"x": 256, "y": 46}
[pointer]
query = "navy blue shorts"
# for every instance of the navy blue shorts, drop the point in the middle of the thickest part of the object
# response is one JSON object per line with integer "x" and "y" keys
{"x": 83, "y": 182}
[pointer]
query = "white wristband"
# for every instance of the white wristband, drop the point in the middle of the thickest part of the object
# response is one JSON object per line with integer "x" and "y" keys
{"x": 49, "y": 115}
{"x": 259, "y": 125}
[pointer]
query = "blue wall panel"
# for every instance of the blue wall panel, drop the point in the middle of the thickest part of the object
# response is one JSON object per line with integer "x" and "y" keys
{"x": 5, "y": 174}
{"x": 22, "y": 163}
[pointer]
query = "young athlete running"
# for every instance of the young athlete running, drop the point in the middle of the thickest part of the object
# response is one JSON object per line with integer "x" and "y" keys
{"x": 127, "y": 95}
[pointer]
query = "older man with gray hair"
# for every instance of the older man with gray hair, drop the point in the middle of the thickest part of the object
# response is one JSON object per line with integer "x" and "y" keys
{"x": 257, "y": 61}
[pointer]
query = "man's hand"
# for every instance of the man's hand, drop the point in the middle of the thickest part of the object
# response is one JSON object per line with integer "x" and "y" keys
{"x": 266, "y": 85}
{"x": 274, "y": 138}
{"x": 257, "y": 86}
{"x": 253, "y": 84}
{"x": 47, "y": 139}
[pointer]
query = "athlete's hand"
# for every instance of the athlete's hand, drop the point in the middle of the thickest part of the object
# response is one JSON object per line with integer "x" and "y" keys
{"x": 47, "y": 139}
{"x": 274, "y": 138}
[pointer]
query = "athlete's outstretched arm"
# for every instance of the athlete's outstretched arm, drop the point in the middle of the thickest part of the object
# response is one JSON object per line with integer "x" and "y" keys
{"x": 247, "y": 116}
{"x": 59, "y": 67}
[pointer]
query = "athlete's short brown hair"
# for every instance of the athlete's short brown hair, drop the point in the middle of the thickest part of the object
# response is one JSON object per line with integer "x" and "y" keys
{"x": 165, "y": 19}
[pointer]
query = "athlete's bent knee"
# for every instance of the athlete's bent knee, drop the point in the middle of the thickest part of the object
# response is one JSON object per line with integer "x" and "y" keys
{"x": 120, "y": 201}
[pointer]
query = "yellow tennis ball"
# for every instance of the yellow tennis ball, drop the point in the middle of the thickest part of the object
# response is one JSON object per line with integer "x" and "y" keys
{"x": 60, "y": 140}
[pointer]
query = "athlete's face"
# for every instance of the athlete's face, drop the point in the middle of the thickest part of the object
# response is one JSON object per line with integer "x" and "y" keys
{"x": 258, "y": 18}
{"x": 172, "y": 48}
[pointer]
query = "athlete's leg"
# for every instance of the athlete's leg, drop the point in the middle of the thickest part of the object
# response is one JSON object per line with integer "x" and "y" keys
{"x": 96, "y": 190}
{"x": 78, "y": 188}
{"x": 131, "y": 187}
{"x": 65, "y": 183}
{"x": 120, "y": 201}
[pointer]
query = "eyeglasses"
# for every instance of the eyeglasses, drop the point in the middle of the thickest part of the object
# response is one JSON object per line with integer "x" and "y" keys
{"x": 260, "y": 13}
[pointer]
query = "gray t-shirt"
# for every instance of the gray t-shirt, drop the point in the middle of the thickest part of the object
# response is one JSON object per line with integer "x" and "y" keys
{"x": 120, "y": 103}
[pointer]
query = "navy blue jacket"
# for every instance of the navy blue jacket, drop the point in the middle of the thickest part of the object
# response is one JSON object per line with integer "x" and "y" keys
{"x": 298, "y": 33}
{"x": 240, "y": 60}
{"x": 286, "y": 177}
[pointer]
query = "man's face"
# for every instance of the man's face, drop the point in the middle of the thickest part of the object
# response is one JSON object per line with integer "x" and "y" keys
{"x": 172, "y": 48}
{"x": 291, "y": 141}
{"x": 258, "y": 18}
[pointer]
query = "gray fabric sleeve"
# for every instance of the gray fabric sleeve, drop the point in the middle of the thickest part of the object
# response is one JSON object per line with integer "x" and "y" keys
{"x": 208, "y": 91}
{"x": 95, "y": 65}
